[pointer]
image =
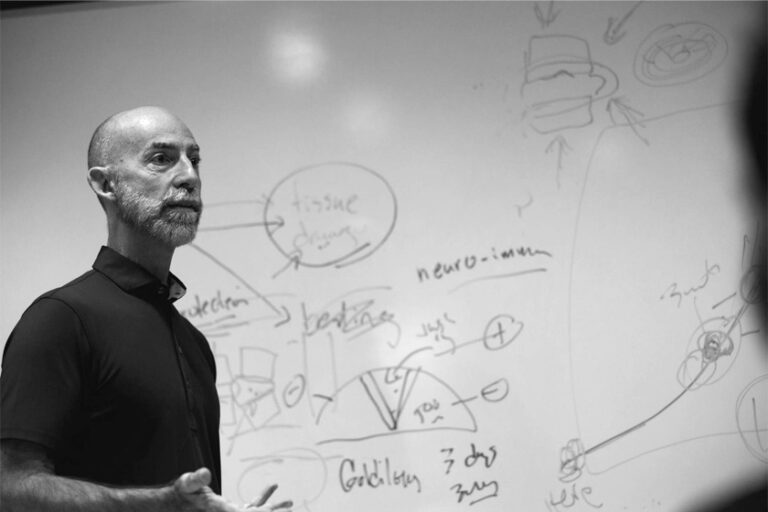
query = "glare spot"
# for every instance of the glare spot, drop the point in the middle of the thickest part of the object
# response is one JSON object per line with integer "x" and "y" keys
{"x": 297, "y": 58}
{"x": 367, "y": 118}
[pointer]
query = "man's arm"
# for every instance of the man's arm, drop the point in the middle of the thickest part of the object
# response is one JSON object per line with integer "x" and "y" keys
{"x": 30, "y": 485}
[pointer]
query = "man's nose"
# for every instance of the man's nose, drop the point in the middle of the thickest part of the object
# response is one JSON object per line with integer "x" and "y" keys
{"x": 187, "y": 175}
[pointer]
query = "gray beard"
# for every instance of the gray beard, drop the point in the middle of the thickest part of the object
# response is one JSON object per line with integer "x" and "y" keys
{"x": 150, "y": 216}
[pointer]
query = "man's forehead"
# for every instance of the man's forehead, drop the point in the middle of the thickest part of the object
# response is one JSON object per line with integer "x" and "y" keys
{"x": 158, "y": 130}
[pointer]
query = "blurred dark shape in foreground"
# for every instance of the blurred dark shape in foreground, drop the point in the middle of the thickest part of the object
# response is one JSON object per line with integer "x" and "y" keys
{"x": 753, "y": 496}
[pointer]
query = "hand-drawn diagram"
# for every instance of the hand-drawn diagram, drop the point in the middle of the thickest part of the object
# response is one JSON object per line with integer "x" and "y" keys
{"x": 333, "y": 214}
{"x": 394, "y": 400}
{"x": 248, "y": 398}
{"x": 711, "y": 348}
{"x": 679, "y": 53}
{"x": 354, "y": 322}
{"x": 302, "y": 470}
{"x": 713, "y": 340}
{"x": 562, "y": 83}
{"x": 336, "y": 214}
{"x": 217, "y": 313}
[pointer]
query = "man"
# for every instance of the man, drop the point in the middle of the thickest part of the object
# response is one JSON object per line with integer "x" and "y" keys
{"x": 108, "y": 397}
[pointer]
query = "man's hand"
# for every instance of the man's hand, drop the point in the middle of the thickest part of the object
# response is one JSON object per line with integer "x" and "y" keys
{"x": 195, "y": 495}
{"x": 261, "y": 503}
{"x": 29, "y": 483}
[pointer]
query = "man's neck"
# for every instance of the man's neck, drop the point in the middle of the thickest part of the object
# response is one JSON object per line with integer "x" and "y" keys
{"x": 146, "y": 251}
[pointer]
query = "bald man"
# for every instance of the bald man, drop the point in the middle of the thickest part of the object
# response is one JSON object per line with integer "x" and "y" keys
{"x": 107, "y": 394}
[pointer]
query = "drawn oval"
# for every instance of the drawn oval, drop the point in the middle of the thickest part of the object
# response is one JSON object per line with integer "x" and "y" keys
{"x": 501, "y": 331}
{"x": 331, "y": 214}
{"x": 675, "y": 54}
{"x": 301, "y": 470}
{"x": 496, "y": 391}
{"x": 294, "y": 390}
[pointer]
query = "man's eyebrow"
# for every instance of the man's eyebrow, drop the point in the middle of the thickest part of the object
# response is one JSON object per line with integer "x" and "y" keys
{"x": 169, "y": 145}
{"x": 161, "y": 145}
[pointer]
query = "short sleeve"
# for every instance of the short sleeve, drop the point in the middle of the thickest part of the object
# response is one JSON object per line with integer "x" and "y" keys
{"x": 41, "y": 384}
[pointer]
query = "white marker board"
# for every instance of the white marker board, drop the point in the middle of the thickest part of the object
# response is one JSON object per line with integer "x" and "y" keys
{"x": 454, "y": 256}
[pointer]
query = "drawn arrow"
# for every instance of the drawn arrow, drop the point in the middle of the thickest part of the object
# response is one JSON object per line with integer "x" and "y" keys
{"x": 284, "y": 316}
{"x": 546, "y": 19}
{"x": 562, "y": 147}
{"x": 277, "y": 223}
{"x": 294, "y": 259}
{"x": 622, "y": 114}
{"x": 613, "y": 33}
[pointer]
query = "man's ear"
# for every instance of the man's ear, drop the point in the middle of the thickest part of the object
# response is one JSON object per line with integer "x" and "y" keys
{"x": 100, "y": 182}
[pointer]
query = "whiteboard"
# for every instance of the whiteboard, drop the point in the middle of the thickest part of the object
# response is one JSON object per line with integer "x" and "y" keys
{"x": 454, "y": 256}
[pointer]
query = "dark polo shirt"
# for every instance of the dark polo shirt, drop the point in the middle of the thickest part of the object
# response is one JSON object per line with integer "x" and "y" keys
{"x": 106, "y": 374}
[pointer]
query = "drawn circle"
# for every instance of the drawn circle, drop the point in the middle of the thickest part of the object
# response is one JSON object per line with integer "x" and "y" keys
{"x": 496, "y": 391}
{"x": 752, "y": 420}
{"x": 679, "y": 53}
{"x": 500, "y": 331}
{"x": 332, "y": 214}
{"x": 711, "y": 352}
{"x": 301, "y": 470}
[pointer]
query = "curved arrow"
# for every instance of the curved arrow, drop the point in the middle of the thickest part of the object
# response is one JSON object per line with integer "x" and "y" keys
{"x": 283, "y": 314}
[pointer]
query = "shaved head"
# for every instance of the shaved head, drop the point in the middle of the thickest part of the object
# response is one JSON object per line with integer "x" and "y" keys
{"x": 117, "y": 132}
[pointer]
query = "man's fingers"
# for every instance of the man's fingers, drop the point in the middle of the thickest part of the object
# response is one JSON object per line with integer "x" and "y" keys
{"x": 189, "y": 483}
{"x": 262, "y": 499}
{"x": 284, "y": 506}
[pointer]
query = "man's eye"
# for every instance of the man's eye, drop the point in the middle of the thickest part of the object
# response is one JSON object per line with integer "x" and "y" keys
{"x": 160, "y": 159}
{"x": 195, "y": 160}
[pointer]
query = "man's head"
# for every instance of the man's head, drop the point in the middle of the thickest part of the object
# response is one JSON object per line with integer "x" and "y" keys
{"x": 143, "y": 166}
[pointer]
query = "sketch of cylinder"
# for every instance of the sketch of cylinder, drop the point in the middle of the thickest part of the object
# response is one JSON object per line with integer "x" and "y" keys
{"x": 562, "y": 82}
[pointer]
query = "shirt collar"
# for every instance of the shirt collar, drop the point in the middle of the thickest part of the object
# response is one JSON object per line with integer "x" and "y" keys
{"x": 135, "y": 279}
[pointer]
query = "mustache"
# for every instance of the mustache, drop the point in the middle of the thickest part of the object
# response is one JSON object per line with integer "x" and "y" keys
{"x": 186, "y": 200}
